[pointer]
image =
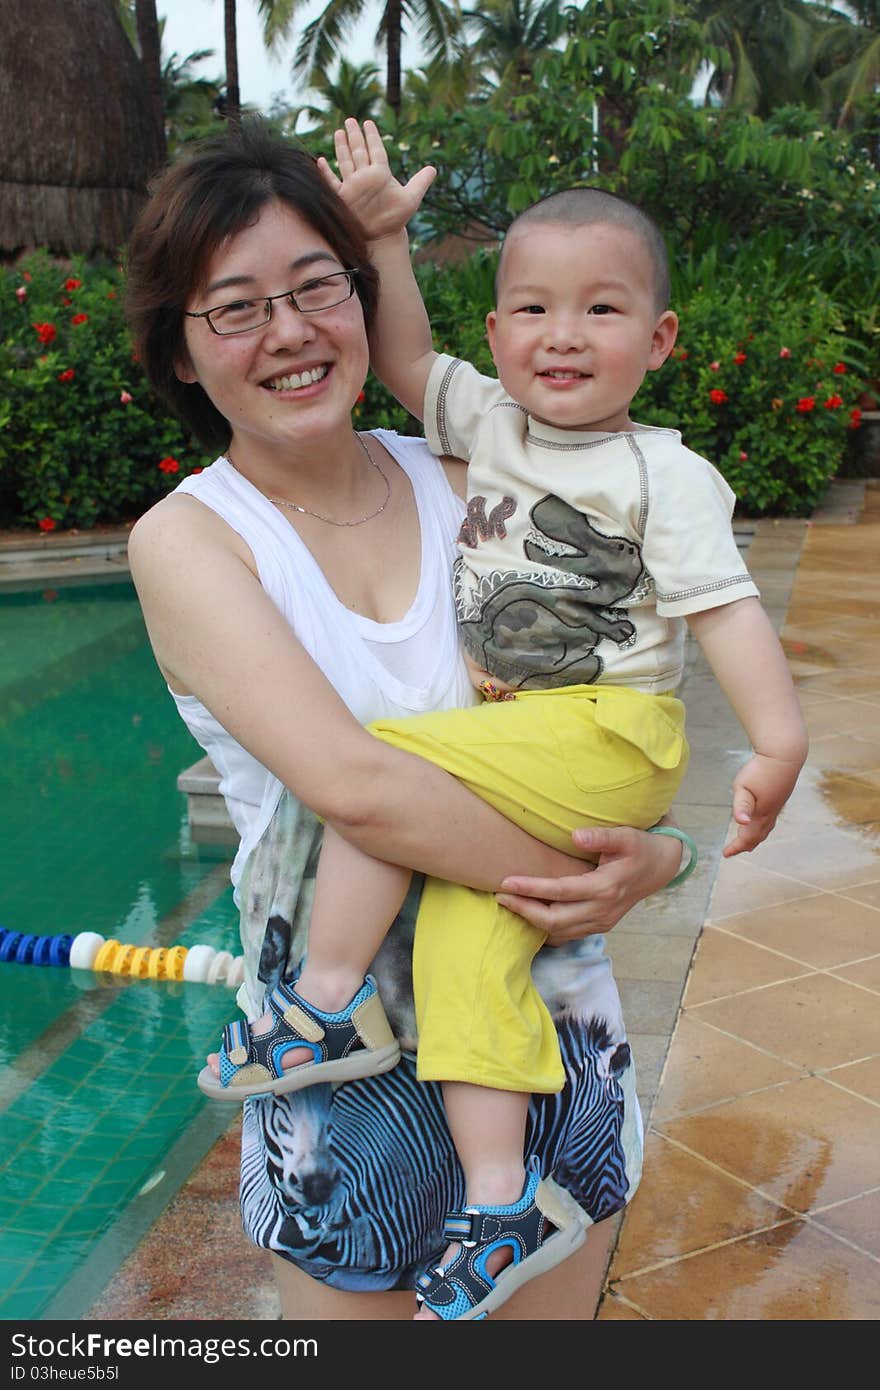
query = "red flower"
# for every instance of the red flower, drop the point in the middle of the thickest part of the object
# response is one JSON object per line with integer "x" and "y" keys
{"x": 124, "y": 398}
{"x": 785, "y": 352}
{"x": 361, "y": 397}
{"x": 839, "y": 369}
{"x": 47, "y": 524}
{"x": 806, "y": 404}
{"x": 111, "y": 294}
{"x": 21, "y": 294}
{"x": 67, "y": 375}
{"x": 26, "y": 275}
{"x": 169, "y": 465}
{"x": 65, "y": 301}
{"x": 714, "y": 366}
{"x": 855, "y": 418}
{"x": 718, "y": 397}
{"x": 80, "y": 318}
{"x": 833, "y": 402}
{"x": 197, "y": 470}
{"x": 743, "y": 455}
{"x": 45, "y": 332}
{"x": 740, "y": 358}
{"x": 72, "y": 283}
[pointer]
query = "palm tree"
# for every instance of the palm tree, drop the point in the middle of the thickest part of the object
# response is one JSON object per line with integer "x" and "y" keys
{"x": 190, "y": 102}
{"x": 150, "y": 43}
{"x": 447, "y": 85}
{"x": 773, "y": 47}
{"x": 850, "y": 55}
{"x": 277, "y": 17}
{"x": 231, "y": 105}
{"x": 354, "y": 91}
{"x": 509, "y": 35}
{"x": 437, "y": 22}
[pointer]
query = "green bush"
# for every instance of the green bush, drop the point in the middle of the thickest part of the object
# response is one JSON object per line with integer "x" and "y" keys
{"x": 82, "y": 438}
{"x": 762, "y": 384}
{"x": 83, "y": 441}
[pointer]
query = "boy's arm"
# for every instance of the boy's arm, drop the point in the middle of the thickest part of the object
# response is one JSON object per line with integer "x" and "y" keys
{"x": 401, "y": 347}
{"x": 749, "y": 664}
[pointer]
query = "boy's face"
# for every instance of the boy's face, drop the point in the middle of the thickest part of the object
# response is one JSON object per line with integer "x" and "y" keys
{"x": 575, "y": 328}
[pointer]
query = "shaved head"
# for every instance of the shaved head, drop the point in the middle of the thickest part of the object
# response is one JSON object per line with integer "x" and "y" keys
{"x": 584, "y": 207}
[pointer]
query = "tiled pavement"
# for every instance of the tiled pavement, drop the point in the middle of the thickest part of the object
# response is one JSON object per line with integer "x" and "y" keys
{"x": 761, "y": 1194}
{"x": 751, "y": 996}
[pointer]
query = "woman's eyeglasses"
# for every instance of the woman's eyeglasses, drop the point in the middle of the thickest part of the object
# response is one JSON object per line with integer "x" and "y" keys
{"x": 309, "y": 298}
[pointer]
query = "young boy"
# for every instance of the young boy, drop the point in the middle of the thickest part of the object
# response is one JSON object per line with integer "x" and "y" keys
{"x": 587, "y": 540}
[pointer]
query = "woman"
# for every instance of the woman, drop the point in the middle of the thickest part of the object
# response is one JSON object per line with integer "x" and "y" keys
{"x": 296, "y": 589}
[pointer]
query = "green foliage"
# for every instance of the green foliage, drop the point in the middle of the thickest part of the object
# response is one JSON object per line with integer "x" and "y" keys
{"x": 95, "y": 447}
{"x": 771, "y": 225}
{"x": 724, "y": 177}
{"x": 704, "y": 175}
{"x": 765, "y": 385}
{"x": 82, "y": 439}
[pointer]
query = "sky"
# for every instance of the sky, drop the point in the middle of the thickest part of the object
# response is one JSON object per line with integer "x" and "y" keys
{"x": 195, "y": 24}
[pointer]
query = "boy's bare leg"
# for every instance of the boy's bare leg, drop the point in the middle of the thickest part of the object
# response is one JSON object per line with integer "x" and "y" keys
{"x": 488, "y": 1129}
{"x": 356, "y": 900}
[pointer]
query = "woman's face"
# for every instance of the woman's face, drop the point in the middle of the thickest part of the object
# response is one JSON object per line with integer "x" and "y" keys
{"x": 289, "y": 386}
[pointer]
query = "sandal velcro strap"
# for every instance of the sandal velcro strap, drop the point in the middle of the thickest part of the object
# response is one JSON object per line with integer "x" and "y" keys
{"x": 464, "y": 1226}
{"x": 237, "y": 1042}
{"x": 349, "y": 1044}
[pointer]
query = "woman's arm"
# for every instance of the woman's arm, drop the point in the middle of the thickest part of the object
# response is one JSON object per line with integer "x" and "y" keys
{"x": 216, "y": 634}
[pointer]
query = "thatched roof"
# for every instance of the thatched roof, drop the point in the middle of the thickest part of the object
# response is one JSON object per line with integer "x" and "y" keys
{"x": 78, "y": 144}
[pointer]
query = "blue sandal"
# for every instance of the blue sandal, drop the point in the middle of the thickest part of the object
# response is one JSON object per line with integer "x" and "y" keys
{"x": 348, "y": 1045}
{"x": 463, "y": 1290}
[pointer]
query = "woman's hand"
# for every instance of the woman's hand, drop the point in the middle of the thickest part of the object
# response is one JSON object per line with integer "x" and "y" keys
{"x": 631, "y": 864}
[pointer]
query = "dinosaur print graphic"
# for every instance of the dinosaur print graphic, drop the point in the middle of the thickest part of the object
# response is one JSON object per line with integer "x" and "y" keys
{"x": 527, "y": 628}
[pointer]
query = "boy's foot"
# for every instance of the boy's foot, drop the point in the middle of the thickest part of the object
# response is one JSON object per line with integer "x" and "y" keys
{"x": 532, "y": 1235}
{"x": 355, "y": 1042}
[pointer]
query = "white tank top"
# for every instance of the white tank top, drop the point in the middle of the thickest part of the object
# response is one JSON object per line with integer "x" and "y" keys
{"x": 379, "y": 669}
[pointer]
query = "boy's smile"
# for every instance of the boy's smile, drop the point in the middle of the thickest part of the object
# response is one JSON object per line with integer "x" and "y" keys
{"x": 576, "y": 326}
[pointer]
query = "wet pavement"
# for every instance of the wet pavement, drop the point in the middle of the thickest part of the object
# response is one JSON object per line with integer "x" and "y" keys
{"x": 761, "y": 1193}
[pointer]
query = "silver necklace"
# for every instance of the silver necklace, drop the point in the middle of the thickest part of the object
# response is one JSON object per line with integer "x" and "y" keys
{"x": 331, "y": 521}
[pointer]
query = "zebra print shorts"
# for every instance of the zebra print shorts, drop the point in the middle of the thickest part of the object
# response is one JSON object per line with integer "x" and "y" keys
{"x": 352, "y": 1183}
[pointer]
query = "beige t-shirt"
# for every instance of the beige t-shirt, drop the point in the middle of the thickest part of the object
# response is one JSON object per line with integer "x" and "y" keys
{"x": 581, "y": 552}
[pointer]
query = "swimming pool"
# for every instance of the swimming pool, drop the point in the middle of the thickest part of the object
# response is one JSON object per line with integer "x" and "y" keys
{"x": 100, "y": 1119}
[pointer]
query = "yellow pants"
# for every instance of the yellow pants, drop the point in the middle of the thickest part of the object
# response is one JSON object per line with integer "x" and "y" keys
{"x": 549, "y": 760}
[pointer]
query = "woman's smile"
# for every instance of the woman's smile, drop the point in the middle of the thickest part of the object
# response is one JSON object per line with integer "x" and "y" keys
{"x": 295, "y": 381}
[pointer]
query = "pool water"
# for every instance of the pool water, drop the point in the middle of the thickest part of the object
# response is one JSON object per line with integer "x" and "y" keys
{"x": 100, "y": 1118}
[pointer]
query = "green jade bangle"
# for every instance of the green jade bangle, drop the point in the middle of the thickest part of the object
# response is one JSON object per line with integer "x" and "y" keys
{"x": 685, "y": 840}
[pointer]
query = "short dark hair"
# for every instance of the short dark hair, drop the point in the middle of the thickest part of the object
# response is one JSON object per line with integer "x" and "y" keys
{"x": 212, "y": 192}
{"x": 582, "y": 206}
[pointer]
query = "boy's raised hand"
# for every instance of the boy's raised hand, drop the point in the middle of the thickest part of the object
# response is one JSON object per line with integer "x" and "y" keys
{"x": 380, "y": 202}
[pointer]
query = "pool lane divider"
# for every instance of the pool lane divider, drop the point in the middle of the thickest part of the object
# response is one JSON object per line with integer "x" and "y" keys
{"x": 89, "y": 950}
